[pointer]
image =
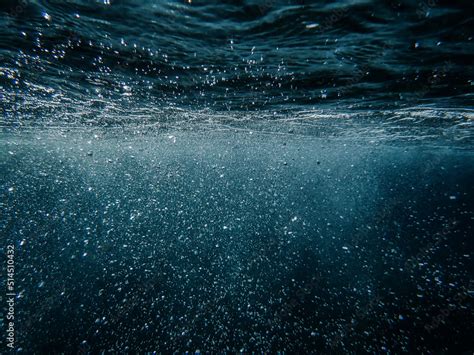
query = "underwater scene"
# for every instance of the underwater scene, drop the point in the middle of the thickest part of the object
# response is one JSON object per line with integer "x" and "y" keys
{"x": 237, "y": 176}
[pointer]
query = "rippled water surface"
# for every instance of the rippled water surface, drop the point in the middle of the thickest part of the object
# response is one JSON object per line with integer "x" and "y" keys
{"x": 78, "y": 58}
{"x": 240, "y": 176}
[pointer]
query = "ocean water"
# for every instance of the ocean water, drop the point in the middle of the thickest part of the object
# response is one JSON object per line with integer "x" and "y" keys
{"x": 237, "y": 176}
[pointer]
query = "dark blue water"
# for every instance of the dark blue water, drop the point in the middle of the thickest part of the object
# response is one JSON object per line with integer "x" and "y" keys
{"x": 237, "y": 176}
{"x": 78, "y": 58}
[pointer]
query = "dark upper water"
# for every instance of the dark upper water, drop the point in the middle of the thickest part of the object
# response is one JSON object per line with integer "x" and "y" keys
{"x": 77, "y": 58}
{"x": 195, "y": 176}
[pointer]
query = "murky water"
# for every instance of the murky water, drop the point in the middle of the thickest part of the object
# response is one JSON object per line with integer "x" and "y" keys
{"x": 237, "y": 176}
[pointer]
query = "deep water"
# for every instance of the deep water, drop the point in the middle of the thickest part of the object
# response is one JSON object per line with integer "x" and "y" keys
{"x": 233, "y": 239}
{"x": 240, "y": 176}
